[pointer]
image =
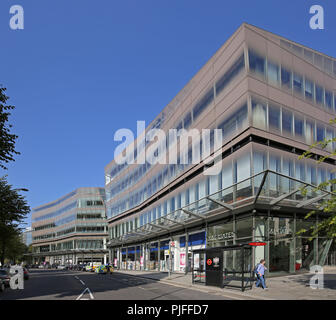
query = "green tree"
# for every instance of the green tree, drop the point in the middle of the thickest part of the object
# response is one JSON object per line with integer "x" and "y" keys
{"x": 13, "y": 210}
{"x": 16, "y": 248}
{"x": 328, "y": 205}
{"x": 7, "y": 139}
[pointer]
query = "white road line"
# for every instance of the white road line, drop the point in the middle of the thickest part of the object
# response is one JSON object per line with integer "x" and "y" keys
{"x": 82, "y": 282}
{"x": 86, "y": 290}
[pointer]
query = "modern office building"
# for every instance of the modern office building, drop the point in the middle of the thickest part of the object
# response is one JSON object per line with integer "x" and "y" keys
{"x": 72, "y": 229}
{"x": 26, "y": 235}
{"x": 271, "y": 98}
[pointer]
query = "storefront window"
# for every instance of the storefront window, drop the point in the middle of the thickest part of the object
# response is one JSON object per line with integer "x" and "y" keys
{"x": 281, "y": 231}
{"x": 220, "y": 235}
{"x": 244, "y": 229}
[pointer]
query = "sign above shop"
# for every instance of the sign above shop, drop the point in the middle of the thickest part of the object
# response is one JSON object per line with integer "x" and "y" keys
{"x": 221, "y": 236}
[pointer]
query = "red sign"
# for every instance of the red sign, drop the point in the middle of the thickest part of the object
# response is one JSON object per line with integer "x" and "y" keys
{"x": 209, "y": 262}
{"x": 256, "y": 244}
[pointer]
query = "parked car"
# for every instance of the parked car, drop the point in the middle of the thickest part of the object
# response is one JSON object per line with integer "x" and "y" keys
{"x": 61, "y": 267}
{"x": 2, "y": 285}
{"x": 25, "y": 274}
{"x": 5, "y": 277}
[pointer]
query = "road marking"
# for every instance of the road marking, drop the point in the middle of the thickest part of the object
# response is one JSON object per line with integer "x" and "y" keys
{"x": 86, "y": 290}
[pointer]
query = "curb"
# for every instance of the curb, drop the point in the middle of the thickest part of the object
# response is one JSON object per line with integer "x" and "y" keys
{"x": 231, "y": 295}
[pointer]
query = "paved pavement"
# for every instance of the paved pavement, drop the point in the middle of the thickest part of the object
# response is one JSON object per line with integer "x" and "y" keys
{"x": 74, "y": 285}
{"x": 292, "y": 287}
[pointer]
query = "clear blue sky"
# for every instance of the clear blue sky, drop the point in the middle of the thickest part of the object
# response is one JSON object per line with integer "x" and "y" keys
{"x": 82, "y": 69}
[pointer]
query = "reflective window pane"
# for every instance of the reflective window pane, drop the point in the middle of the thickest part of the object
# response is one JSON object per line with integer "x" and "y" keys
{"x": 297, "y": 83}
{"x": 309, "y": 89}
{"x": 274, "y": 117}
{"x": 257, "y": 63}
{"x": 273, "y": 74}
{"x": 287, "y": 120}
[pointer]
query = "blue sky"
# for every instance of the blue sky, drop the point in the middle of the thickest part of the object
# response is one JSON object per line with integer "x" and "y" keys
{"x": 82, "y": 69}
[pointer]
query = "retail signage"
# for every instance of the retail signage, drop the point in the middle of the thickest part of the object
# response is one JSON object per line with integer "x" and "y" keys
{"x": 220, "y": 236}
{"x": 256, "y": 244}
{"x": 182, "y": 259}
{"x": 115, "y": 262}
{"x": 209, "y": 262}
{"x": 172, "y": 243}
{"x": 141, "y": 261}
{"x": 216, "y": 262}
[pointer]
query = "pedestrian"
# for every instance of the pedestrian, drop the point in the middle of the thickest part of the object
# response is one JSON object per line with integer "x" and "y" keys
{"x": 260, "y": 272}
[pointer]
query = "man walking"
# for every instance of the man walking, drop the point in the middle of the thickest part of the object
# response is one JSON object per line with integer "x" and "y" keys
{"x": 260, "y": 274}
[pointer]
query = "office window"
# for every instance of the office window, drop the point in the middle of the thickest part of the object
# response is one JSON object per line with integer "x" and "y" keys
{"x": 319, "y": 94}
{"x": 236, "y": 121}
{"x": 298, "y": 126}
{"x": 286, "y": 78}
{"x": 273, "y": 73}
{"x": 243, "y": 171}
{"x": 259, "y": 162}
{"x": 227, "y": 179}
{"x": 274, "y": 117}
{"x": 319, "y": 133}
{"x": 300, "y": 172}
{"x": 309, "y": 89}
{"x": 179, "y": 126}
{"x": 229, "y": 75}
{"x": 257, "y": 63}
{"x": 321, "y": 175}
{"x": 213, "y": 184}
{"x": 297, "y": 82}
{"x": 172, "y": 204}
{"x": 310, "y": 132}
{"x": 203, "y": 103}
{"x": 201, "y": 189}
{"x": 328, "y": 99}
{"x": 329, "y": 136}
{"x": 187, "y": 120}
{"x": 287, "y": 121}
{"x": 165, "y": 208}
{"x": 259, "y": 114}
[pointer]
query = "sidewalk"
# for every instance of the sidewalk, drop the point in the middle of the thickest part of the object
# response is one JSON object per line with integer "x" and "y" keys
{"x": 291, "y": 287}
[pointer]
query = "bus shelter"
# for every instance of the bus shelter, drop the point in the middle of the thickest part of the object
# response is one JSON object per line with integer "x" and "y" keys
{"x": 227, "y": 266}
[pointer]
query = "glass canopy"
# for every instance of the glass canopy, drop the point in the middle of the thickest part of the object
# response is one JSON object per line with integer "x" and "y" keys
{"x": 265, "y": 190}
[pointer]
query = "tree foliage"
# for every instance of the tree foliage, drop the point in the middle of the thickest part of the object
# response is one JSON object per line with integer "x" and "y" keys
{"x": 13, "y": 210}
{"x": 7, "y": 139}
{"x": 327, "y": 225}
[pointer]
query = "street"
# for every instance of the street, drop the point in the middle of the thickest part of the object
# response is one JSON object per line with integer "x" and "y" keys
{"x": 75, "y": 285}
